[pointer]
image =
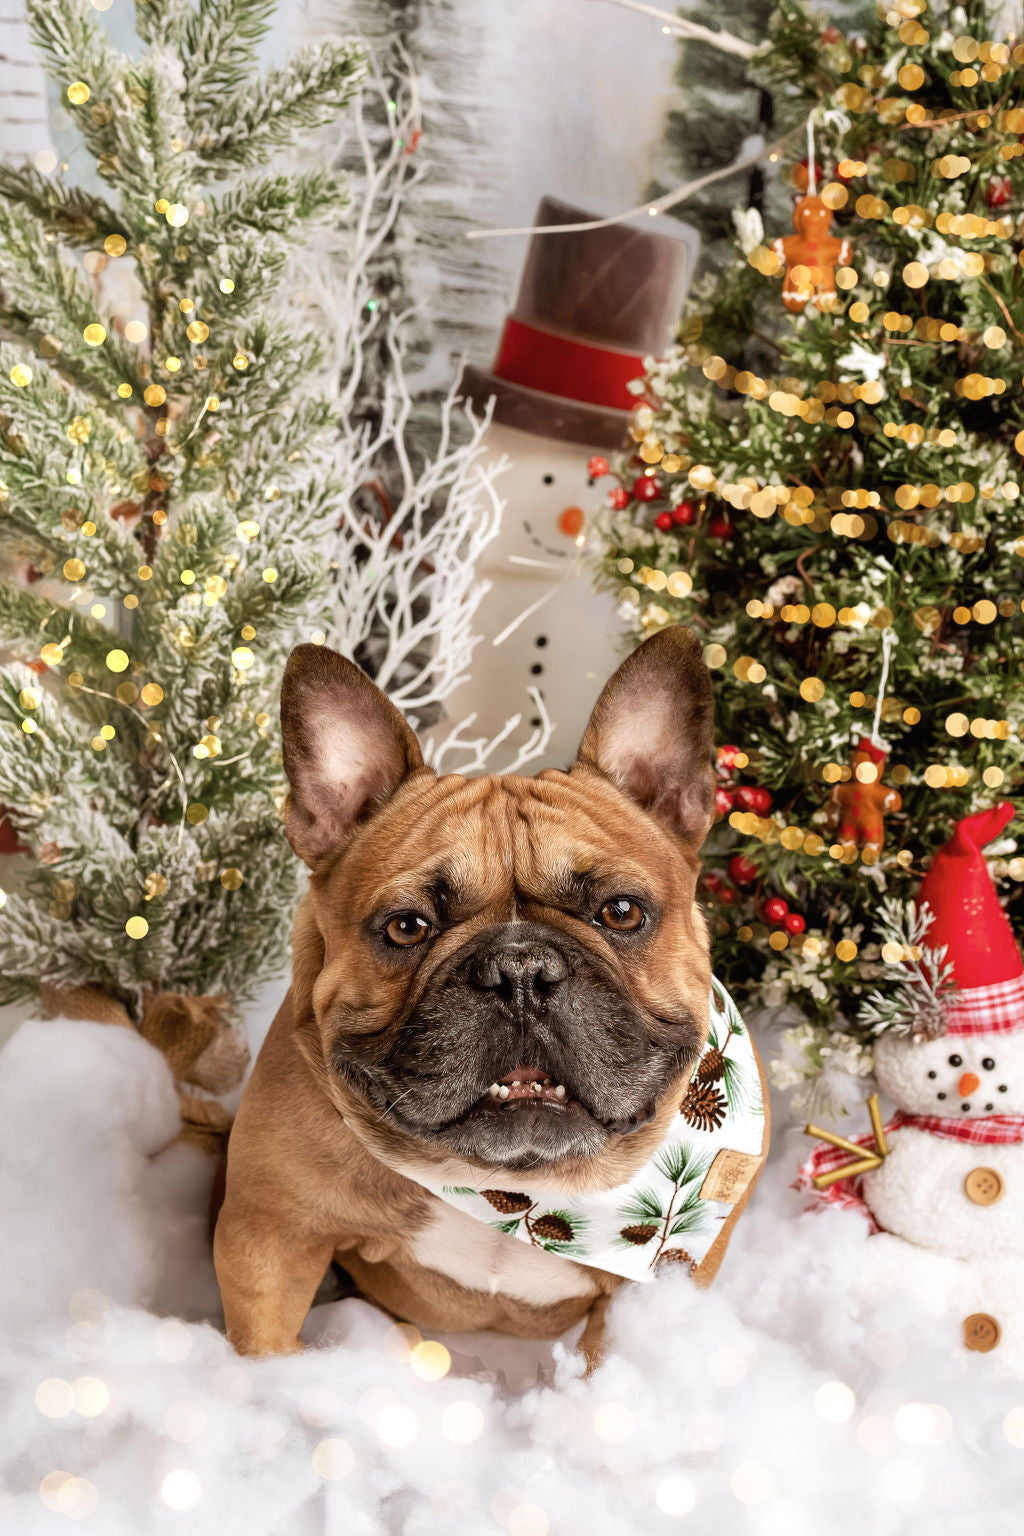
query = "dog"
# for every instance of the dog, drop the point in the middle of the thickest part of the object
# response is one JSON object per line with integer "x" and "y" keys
{"x": 461, "y": 937}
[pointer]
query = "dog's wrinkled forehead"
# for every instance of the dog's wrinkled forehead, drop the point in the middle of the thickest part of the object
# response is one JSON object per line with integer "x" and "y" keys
{"x": 501, "y": 843}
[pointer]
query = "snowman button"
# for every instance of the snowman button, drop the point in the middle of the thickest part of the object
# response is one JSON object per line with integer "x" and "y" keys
{"x": 984, "y": 1186}
{"x": 981, "y": 1332}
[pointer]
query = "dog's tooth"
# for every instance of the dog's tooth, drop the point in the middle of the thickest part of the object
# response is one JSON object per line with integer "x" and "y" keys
{"x": 503, "y": 1092}
{"x": 559, "y": 1092}
{"x": 494, "y": 1090}
{"x": 536, "y": 1087}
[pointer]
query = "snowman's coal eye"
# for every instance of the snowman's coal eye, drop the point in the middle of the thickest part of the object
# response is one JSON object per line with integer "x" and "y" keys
{"x": 988, "y": 1063}
{"x": 956, "y": 1061}
{"x": 1002, "y": 1087}
{"x": 933, "y": 1074}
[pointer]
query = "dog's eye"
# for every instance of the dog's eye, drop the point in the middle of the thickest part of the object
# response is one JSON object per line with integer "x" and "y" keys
{"x": 621, "y": 913}
{"x": 407, "y": 928}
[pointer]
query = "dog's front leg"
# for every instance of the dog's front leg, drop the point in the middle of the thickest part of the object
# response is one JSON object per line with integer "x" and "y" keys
{"x": 268, "y": 1275}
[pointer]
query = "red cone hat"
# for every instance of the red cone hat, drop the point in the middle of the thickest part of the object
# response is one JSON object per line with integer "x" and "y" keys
{"x": 988, "y": 973}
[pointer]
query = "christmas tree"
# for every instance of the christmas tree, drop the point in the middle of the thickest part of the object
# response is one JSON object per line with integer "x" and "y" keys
{"x": 166, "y": 470}
{"x": 825, "y": 482}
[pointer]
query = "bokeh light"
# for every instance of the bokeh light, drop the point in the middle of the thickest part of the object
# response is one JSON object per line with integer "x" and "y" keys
{"x": 675, "y": 1496}
{"x": 462, "y": 1422}
{"x": 333, "y": 1459}
{"x": 181, "y": 1489}
{"x": 834, "y": 1402}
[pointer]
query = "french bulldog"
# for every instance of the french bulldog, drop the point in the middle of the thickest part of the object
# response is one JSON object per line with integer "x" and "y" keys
{"x": 502, "y": 978}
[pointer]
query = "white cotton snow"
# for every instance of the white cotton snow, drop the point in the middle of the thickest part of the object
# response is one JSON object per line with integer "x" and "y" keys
{"x": 796, "y": 1396}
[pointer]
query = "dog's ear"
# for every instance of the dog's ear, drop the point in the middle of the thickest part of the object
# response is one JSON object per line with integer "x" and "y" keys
{"x": 652, "y": 732}
{"x": 346, "y": 749}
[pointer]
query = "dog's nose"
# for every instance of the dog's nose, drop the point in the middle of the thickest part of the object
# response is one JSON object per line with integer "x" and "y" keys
{"x": 519, "y": 972}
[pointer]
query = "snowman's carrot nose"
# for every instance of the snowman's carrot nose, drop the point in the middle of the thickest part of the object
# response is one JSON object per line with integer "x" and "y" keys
{"x": 968, "y": 1084}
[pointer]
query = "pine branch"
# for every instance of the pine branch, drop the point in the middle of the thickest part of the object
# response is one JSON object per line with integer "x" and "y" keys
{"x": 79, "y": 217}
{"x": 274, "y": 109}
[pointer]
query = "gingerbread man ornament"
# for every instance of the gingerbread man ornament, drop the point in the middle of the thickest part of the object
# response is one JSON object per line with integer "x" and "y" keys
{"x": 811, "y": 256}
{"x": 862, "y": 802}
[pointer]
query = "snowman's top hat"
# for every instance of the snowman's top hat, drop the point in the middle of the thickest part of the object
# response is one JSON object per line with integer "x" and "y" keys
{"x": 988, "y": 973}
{"x": 592, "y": 304}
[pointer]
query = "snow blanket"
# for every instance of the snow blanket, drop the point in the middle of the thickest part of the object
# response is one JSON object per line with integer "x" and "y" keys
{"x": 799, "y": 1395}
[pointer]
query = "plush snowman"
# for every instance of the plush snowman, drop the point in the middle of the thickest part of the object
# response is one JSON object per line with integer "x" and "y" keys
{"x": 948, "y": 1197}
{"x": 591, "y": 305}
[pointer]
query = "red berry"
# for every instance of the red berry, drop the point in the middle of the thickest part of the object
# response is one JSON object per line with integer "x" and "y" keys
{"x": 761, "y": 800}
{"x": 645, "y": 488}
{"x": 742, "y": 870}
{"x": 684, "y": 513}
{"x": 727, "y": 756}
{"x": 728, "y": 896}
{"x": 794, "y": 923}
{"x": 998, "y": 191}
{"x": 618, "y": 498}
{"x": 720, "y": 528}
{"x": 775, "y": 909}
{"x": 663, "y": 521}
{"x": 723, "y": 801}
{"x": 597, "y": 466}
{"x": 712, "y": 879}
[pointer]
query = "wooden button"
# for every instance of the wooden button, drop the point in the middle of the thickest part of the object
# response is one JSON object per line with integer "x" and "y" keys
{"x": 984, "y": 1186}
{"x": 981, "y": 1332}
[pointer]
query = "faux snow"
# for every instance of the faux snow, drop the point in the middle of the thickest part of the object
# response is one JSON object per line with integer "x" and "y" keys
{"x": 796, "y": 1396}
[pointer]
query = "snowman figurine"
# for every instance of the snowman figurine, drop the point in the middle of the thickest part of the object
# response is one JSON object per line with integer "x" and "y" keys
{"x": 592, "y": 304}
{"x": 948, "y": 1196}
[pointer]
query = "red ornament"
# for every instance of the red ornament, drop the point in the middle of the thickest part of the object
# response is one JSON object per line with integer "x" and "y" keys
{"x": 723, "y": 802}
{"x": 775, "y": 909}
{"x": 712, "y": 879}
{"x": 684, "y": 513}
{"x": 999, "y": 191}
{"x": 794, "y": 923}
{"x": 814, "y": 248}
{"x": 720, "y": 527}
{"x": 728, "y": 896}
{"x": 663, "y": 521}
{"x": 645, "y": 488}
{"x": 597, "y": 466}
{"x": 753, "y": 798}
{"x": 727, "y": 756}
{"x": 618, "y": 497}
{"x": 742, "y": 870}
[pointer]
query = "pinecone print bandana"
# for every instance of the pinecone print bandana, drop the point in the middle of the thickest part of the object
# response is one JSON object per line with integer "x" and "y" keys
{"x": 673, "y": 1208}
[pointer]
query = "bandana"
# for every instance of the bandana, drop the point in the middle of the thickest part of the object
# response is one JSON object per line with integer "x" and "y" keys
{"x": 672, "y": 1209}
{"x": 992, "y": 1130}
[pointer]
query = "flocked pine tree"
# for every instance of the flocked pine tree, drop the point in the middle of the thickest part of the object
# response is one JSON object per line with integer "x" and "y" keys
{"x": 168, "y": 472}
{"x": 825, "y": 481}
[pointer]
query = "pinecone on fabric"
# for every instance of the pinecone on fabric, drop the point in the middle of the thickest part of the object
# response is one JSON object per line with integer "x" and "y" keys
{"x": 554, "y": 1229}
{"x": 639, "y": 1234}
{"x": 703, "y": 1107}
{"x": 711, "y": 1066}
{"x": 507, "y": 1201}
{"x": 675, "y": 1256}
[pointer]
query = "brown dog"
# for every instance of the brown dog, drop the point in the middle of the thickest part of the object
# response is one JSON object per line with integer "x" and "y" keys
{"x": 458, "y": 933}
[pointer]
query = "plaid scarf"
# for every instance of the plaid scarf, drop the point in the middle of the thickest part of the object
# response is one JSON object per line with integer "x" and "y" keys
{"x": 992, "y": 1130}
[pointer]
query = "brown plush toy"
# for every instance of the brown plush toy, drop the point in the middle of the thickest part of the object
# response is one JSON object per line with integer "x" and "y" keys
{"x": 863, "y": 800}
{"x": 811, "y": 256}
